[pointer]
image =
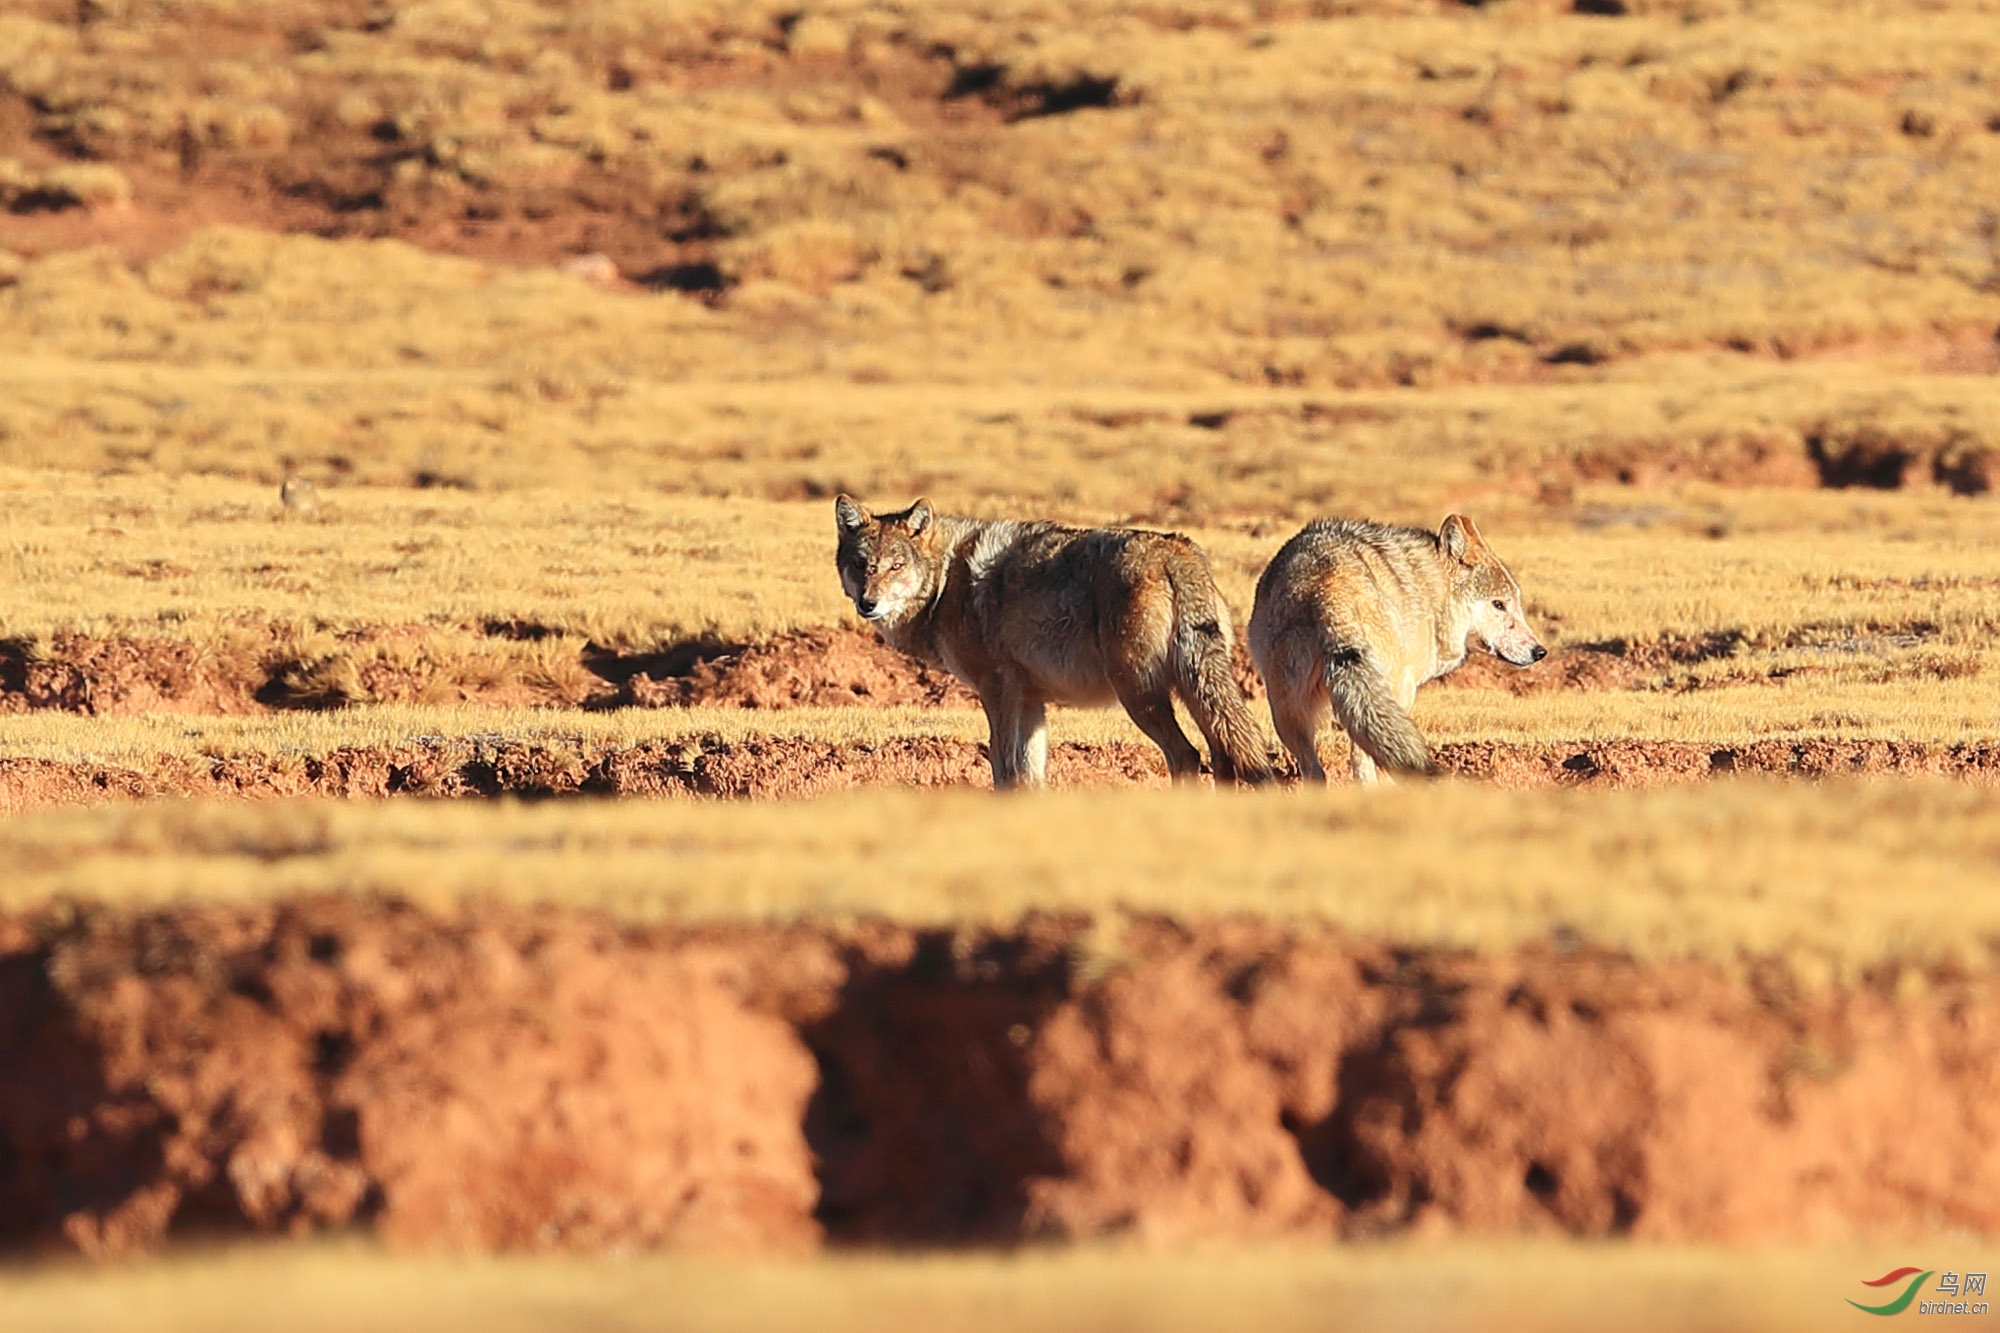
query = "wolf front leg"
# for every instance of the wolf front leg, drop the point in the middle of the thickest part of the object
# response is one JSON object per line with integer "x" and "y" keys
{"x": 1363, "y": 767}
{"x": 1031, "y": 729}
{"x": 1016, "y": 733}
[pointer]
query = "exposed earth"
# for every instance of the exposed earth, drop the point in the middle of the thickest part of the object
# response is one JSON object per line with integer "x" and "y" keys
{"x": 521, "y": 1079}
{"x": 118, "y": 676}
{"x": 540, "y": 1080}
{"x": 780, "y": 767}
{"x": 807, "y": 669}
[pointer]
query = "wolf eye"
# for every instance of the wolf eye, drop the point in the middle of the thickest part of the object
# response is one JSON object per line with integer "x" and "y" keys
{"x": 1499, "y": 603}
{"x": 895, "y": 564}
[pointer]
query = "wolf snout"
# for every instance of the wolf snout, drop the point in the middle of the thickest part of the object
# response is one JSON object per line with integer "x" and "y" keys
{"x": 1538, "y": 654}
{"x": 867, "y": 606}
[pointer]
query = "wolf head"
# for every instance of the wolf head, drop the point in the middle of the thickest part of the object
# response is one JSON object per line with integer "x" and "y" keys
{"x": 886, "y": 561}
{"x": 1482, "y": 585}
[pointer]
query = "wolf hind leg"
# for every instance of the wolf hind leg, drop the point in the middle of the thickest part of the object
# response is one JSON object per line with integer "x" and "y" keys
{"x": 1360, "y": 763}
{"x": 1363, "y": 766}
{"x": 1297, "y": 725}
{"x": 1295, "y": 690}
{"x": 1375, "y": 721}
{"x": 1151, "y": 708}
{"x": 1201, "y": 671}
{"x": 1206, "y": 682}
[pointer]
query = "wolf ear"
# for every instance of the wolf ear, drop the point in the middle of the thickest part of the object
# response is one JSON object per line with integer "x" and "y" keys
{"x": 849, "y": 515}
{"x": 920, "y": 517}
{"x": 1459, "y": 539}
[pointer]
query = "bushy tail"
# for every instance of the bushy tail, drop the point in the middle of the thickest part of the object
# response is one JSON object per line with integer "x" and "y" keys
{"x": 1368, "y": 710}
{"x": 1205, "y": 679}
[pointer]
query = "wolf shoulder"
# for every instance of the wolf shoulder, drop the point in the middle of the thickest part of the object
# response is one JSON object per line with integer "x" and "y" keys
{"x": 1027, "y": 555}
{"x": 1326, "y": 541}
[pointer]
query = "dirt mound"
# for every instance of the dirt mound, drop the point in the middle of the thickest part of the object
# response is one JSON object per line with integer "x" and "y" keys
{"x": 1591, "y": 668}
{"x": 1779, "y": 463}
{"x": 259, "y": 667}
{"x": 782, "y": 767}
{"x": 825, "y": 668}
{"x": 1663, "y": 664}
{"x": 1837, "y": 456}
{"x": 505, "y": 1079}
{"x": 76, "y": 673}
{"x": 262, "y": 668}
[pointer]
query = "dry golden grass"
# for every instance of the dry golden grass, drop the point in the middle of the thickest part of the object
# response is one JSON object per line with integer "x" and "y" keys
{"x": 1912, "y": 708}
{"x": 1491, "y": 1288}
{"x": 1829, "y": 880}
{"x": 139, "y": 741}
{"x": 1327, "y": 191}
{"x": 1180, "y": 308}
{"x": 122, "y": 553}
{"x": 1849, "y": 596}
{"x": 1377, "y": 256}
{"x": 914, "y": 291}
{"x": 197, "y": 558}
{"x": 372, "y": 363}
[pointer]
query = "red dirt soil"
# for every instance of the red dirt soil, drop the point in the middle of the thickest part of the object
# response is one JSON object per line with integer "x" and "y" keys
{"x": 261, "y": 672}
{"x": 535, "y": 1080}
{"x": 783, "y": 767}
{"x": 822, "y": 668}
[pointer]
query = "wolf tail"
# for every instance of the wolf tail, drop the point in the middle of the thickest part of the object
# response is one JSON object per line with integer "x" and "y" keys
{"x": 1368, "y": 710}
{"x": 1205, "y": 679}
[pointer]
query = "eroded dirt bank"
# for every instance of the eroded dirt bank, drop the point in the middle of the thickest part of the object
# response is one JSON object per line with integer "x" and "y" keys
{"x": 264, "y": 670}
{"x": 538, "y": 1080}
{"x": 767, "y": 767}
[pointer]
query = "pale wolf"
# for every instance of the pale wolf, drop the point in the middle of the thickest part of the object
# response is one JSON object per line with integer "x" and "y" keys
{"x": 1030, "y": 614}
{"x": 1353, "y": 616}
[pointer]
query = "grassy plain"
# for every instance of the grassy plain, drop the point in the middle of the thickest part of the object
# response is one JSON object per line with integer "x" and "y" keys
{"x": 374, "y": 363}
{"x": 578, "y": 315}
{"x": 1121, "y": 259}
{"x": 1628, "y": 289}
{"x": 1769, "y": 613}
{"x": 179, "y": 555}
{"x": 1833, "y": 880}
{"x": 1323, "y": 191}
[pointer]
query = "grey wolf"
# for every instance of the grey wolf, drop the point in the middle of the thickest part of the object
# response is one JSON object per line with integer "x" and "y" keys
{"x": 1352, "y": 616}
{"x": 1030, "y": 614}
